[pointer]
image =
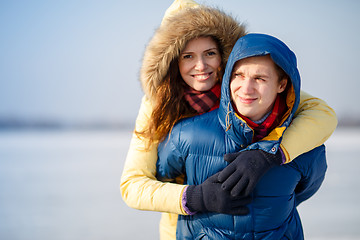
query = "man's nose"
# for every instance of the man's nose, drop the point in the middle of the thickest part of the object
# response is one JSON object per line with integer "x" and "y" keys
{"x": 247, "y": 85}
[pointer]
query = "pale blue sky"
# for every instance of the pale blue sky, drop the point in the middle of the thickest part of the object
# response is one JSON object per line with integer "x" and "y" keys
{"x": 79, "y": 60}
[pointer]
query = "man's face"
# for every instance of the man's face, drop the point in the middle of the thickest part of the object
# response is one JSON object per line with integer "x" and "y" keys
{"x": 254, "y": 86}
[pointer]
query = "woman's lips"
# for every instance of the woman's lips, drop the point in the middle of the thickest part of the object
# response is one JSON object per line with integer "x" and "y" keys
{"x": 201, "y": 77}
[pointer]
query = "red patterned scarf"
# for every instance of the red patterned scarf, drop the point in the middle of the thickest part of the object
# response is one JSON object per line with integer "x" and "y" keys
{"x": 272, "y": 121}
{"x": 203, "y": 102}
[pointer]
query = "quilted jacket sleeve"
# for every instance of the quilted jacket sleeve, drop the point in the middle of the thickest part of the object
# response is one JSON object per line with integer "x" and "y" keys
{"x": 313, "y": 124}
{"x": 170, "y": 162}
{"x": 139, "y": 187}
{"x": 313, "y": 173}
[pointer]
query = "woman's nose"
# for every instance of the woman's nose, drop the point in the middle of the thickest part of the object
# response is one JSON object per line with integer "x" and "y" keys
{"x": 200, "y": 64}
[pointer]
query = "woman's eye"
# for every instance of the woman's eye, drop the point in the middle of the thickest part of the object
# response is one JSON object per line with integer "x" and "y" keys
{"x": 211, "y": 53}
{"x": 187, "y": 56}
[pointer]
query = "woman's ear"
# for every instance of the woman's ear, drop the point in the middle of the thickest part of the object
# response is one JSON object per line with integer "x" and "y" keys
{"x": 282, "y": 85}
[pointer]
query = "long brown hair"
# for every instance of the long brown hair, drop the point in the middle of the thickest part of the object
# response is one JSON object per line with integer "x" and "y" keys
{"x": 169, "y": 105}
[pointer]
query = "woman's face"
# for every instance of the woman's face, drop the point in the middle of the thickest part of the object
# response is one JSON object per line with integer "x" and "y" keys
{"x": 199, "y": 63}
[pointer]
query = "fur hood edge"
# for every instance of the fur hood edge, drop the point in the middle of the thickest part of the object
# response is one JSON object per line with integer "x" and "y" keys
{"x": 173, "y": 34}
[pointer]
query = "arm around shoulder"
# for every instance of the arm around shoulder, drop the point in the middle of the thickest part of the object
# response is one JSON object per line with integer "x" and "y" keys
{"x": 313, "y": 124}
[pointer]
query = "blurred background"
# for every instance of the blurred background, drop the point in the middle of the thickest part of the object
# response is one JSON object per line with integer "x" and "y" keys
{"x": 69, "y": 96}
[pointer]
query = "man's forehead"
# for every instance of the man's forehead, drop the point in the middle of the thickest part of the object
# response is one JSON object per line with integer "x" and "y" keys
{"x": 260, "y": 60}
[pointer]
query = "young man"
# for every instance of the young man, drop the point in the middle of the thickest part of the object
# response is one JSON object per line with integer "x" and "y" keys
{"x": 259, "y": 96}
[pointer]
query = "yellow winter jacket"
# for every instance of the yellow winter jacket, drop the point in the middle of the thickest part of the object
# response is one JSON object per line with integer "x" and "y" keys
{"x": 313, "y": 124}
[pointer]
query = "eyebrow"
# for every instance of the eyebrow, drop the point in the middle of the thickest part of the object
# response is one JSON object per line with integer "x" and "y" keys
{"x": 257, "y": 75}
{"x": 214, "y": 48}
{"x": 261, "y": 76}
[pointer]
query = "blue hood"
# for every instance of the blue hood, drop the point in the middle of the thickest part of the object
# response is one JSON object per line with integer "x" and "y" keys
{"x": 253, "y": 45}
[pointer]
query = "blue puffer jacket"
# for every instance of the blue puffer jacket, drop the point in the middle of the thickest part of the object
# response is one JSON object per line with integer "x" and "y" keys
{"x": 197, "y": 146}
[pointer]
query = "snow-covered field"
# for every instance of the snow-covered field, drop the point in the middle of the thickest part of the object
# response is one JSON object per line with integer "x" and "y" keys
{"x": 65, "y": 185}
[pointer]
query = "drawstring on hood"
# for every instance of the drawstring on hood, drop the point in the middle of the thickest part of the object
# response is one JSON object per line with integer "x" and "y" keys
{"x": 227, "y": 118}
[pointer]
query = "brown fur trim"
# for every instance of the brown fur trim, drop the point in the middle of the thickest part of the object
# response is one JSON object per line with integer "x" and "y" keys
{"x": 171, "y": 37}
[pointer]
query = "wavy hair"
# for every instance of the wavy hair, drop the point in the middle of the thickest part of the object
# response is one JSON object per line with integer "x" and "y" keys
{"x": 169, "y": 104}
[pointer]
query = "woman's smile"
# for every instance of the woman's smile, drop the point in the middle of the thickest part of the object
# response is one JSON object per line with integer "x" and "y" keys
{"x": 201, "y": 77}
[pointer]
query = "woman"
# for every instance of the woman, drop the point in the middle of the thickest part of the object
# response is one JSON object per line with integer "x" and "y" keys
{"x": 261, "y": 86}
{"x": 139, "y": 187}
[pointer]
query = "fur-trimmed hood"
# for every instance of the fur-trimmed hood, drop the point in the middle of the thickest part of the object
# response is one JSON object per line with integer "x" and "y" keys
{"x": 173, "y": 34}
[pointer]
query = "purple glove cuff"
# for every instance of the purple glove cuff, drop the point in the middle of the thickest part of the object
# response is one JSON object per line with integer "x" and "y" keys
{"x": 283, "y": 158}
{"x": 183, "y": 202}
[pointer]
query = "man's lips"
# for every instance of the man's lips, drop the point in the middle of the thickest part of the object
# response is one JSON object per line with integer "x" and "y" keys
{"x": 247, "y": 100}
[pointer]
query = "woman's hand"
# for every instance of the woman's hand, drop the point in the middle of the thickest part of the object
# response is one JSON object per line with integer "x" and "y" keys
{"x": 245, "y": 170}
{"x": 210, "y": 197}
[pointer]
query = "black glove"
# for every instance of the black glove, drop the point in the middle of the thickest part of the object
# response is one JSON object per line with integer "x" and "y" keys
{"x": 245, "y": 170}
{"x": 210, "y": 197}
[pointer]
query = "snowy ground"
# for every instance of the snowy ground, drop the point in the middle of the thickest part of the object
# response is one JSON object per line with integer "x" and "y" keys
{"x": 65, "y": 185}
